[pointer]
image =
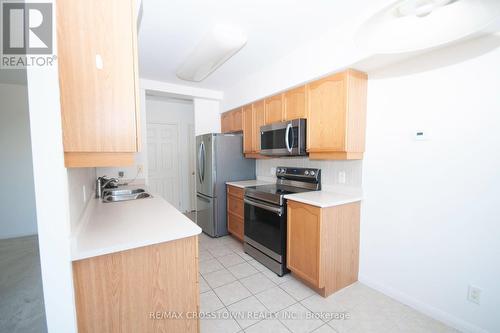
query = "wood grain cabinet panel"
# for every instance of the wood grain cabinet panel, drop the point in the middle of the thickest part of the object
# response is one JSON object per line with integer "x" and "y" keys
{"x": 97, "y": 57}
{"x": 248, "y": 129}
{"x": 232, "y": 121}
{"x": 274, "y": 109}
{"x": 303, "y": 242}
{"x": 235, "y": 226}
{"x": 119, "y": 292}
{"x": 294, "y": 102}
{"x": 225, "y": 122}
{"x": 323, "y": 245}
{"x": 235, "y": 211}
{"x": 259, "y": 120}
{"x": 336, "y": 116}
{"x": 237, "y": 121}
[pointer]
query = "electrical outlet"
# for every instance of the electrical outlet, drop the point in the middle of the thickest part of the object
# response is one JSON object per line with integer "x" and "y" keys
{"x": 341, "y": 177}
{"x": 140, "y": 168}
{"x": 121, "y": 174}
{"x": 474, "y": 294}
{"x": 273, "y": 171}
{"x": 84, "y": 189}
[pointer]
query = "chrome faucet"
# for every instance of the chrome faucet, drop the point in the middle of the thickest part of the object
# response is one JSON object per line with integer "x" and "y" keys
{"x": 102, "y": 183}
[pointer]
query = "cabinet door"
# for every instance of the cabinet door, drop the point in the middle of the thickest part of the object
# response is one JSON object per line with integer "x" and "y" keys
{"x": 248, "y": 126}
{"x": 274, "y": 109}
{"x": 304, "y": 242}
{"x": 237, "y": 120}
{"x": 97, "y": 75}
{"x": 259, "y": 120}
{"x": 295, "y": 103}
{"x": 326, "y": 121}
{"x": 225, "y": 122}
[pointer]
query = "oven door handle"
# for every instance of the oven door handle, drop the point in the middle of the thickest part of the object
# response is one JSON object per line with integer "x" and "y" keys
{"x": 278, "y": 211}
{"x": 287, "y": 133}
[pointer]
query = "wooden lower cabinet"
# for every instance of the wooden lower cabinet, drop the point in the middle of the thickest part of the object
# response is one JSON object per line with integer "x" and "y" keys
{"x": 235, "y": 211}
{"x": 323, "y": 245}
{"x": 134, "y": 290}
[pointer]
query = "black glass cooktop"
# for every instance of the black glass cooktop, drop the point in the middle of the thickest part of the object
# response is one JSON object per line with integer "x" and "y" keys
{"x": 276, "y": 189}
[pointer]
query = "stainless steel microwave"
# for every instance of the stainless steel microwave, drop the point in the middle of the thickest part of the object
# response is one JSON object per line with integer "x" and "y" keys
{"x": 284, "y": 139}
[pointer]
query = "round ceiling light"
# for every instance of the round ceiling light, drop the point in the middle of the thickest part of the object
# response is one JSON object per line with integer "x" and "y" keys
{"x": 420, "y": 8}
{"x": 415, "y": 25}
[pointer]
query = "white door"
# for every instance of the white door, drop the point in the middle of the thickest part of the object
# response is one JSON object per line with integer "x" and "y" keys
{"x": 192, "y": 162}
{"x": 164, "y": 161}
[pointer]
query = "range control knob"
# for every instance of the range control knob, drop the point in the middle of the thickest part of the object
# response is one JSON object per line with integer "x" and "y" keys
{"x": 312, "y": 173}
{"x": 306, "y": 172}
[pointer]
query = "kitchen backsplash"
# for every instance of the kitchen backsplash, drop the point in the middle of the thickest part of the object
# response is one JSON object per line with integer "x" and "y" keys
{"x": 333, "y": 173}
{"x": 81, "y": 187}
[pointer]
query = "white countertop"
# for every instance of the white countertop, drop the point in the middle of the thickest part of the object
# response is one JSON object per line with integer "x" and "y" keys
{"x": 247, "y": 183}
{"x": 325, "y": 198}
{"x": 119, "y": 226}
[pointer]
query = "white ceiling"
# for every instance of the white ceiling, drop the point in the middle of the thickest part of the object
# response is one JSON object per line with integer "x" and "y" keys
{"x": 171, "y": 29}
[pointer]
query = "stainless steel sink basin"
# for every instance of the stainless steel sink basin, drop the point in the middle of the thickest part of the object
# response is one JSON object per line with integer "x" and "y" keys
{"x": 123, "y": 191}
{"x": 124, "y": 195}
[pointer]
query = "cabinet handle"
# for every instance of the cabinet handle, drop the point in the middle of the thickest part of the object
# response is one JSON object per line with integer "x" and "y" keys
{"x": 99, "y": 64}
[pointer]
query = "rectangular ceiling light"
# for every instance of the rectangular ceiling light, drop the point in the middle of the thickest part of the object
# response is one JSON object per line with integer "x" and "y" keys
{"x": 214, "y": 49}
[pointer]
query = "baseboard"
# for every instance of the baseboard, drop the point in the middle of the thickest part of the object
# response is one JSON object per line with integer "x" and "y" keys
{"x": 426, "y": 309}
{"x": 9, "y": 236}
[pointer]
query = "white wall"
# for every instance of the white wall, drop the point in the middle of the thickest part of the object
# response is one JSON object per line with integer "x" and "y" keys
{"x": 51, "y": 195}
{"x": 17, "y": 199}
{"x": 81, "y": 188}
{"x": 207, "y": 116}
{"x": 430, "y": 219}
{"x": 165, "y": 110}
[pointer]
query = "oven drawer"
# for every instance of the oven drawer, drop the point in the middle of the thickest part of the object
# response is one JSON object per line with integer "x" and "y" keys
{"x": 235, "y": 206}
{"x": 235, "y": 226}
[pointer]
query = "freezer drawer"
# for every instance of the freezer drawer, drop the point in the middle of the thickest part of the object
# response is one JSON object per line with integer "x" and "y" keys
{"x": 205, "y": 213}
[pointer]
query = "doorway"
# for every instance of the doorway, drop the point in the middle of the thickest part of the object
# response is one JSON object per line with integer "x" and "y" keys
{"x": 170, "y": 149}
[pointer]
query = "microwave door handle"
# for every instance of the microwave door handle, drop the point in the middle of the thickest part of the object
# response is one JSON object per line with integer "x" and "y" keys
{"x": 288, "y": 127}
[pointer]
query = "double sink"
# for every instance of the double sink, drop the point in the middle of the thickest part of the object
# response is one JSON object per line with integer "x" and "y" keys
{"x": 117, "y": 195}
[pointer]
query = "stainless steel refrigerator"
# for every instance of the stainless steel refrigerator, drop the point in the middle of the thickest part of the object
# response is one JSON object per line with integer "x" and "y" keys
{"x": 219, "y": 158}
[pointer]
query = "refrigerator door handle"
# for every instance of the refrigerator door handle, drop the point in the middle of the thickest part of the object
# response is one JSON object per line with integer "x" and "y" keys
{"x": 202, "y": 198}
{"x": 199, "y": 162}
{"x": 204, "y": 161}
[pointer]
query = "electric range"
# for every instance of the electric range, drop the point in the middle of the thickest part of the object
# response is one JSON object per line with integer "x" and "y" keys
{"x": 265, "y": 215}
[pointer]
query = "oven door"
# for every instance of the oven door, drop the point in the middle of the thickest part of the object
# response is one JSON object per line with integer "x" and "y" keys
{"x": 284, "y": 139}
{"x": 265, "y": 227}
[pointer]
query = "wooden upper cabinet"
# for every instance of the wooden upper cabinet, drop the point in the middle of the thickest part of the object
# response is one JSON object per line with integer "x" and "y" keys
{"x": 274, "y": 109}
{"x": 225, "y": 122}
{"x": 232, "y": 121}
{"x": 294, "y": 102}
{"x": 259, "y": 120}
{"x": 97, "y": 56}
{"x": 336, "y": 113}
{"x": 237, "y": 120}
{"x": 248, "y": 129}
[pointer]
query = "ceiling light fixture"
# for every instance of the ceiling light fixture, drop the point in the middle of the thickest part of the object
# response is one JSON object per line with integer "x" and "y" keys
{"x": 216, "y": 47}
{"x": 420, "y": 8}
{"x": 415, "y": 25}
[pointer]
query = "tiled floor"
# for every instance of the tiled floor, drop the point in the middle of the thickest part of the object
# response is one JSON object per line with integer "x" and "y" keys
{"x": 241, "y": 295}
